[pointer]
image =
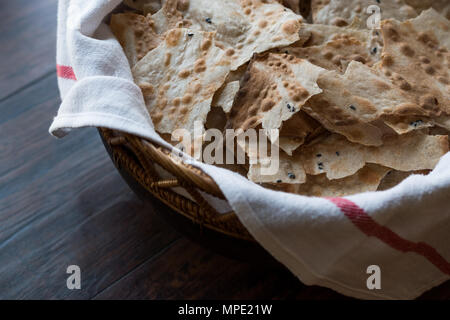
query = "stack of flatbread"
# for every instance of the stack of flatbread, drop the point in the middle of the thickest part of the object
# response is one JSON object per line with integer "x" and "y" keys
{"x": 347, "y": 108}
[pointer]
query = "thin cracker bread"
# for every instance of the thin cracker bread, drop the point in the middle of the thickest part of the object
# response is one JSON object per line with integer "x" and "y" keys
{"x": 366, "y": 179}
{"x": 351, "y": 103}
{"x": 416, "y": 58}
{"x": 170, "y": 16}
{"x": 135, "y": 35}
{"x": 224, "y": 97}
{"x": 339, "y": 158}
{"x": 343, "y": 12}
{"x": 296, "y": 131}
{"x": 245, "y": 27}
{"x": 275, "y": 87}
{"x": 180, "y": 77}
{"x": 337, "y": 53}
{"x": 318, "y": 34}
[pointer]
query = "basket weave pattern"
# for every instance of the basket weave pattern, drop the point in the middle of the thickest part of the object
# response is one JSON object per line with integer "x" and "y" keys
{"x": 137, "y": 157}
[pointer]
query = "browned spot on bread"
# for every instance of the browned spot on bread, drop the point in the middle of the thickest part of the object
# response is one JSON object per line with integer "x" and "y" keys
{"x": 187, "y": 99}
{"x": 443, "y": 80}
{"x": 339, "y": 22}
{"x": 424, "y": 60}
{"x": 197, "y": 88}
{"x": 407, "y": 50}
{"x": 184, "y": 110}
{"x": 176, "y": 102}
{"x": 168, "y": 59}
{"x": 147, "y": 89}
{"x": 430, "y": 70}
{"x": 290, "y": 27}
{"x": 388, "y": 60}
{"x": 392, "y": 34}
{"x": 364, "y": 105}
{"x": 200, "y": 66}
{"x": 184, "y": 74}
{"x": 157, "y": 117}
{"x": 230, "y": 52}
{"x": 206, "y": 44}
{"x": 173, "y": 37}
{"x": 404, "y": 85}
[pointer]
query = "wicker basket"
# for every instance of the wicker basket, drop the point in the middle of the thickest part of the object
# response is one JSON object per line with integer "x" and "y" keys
{"x": 137, "y": 157}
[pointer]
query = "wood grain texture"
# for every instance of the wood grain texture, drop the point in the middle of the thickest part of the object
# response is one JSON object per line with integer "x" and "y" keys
{"x": 191, "y": 268}
{"x": 28, "y": 42}
{"x": 62, "y": 202}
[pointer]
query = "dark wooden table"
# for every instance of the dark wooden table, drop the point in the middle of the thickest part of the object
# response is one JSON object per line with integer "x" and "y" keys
{"x": 63, "y": 203}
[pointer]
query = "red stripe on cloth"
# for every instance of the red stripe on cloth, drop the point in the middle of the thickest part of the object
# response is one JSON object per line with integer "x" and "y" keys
{"x": 371, "y": 228}
{"x": 65, "y": 72}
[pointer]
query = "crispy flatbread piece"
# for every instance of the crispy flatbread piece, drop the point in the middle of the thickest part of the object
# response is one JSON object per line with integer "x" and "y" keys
{"x": 337, "y": 53}
{"x": 224, "y": 97}
{"x": 416, "y": 58}
{"x": 179, "y": 79}
{"x": 296, "y": 130}
{"x": 339, "y": 158}
{"x": 289, "y": 172}
{"x": 275, "y": 87}
{"x": 343, "y": 12}
{"x": 135, "y": 34}
{"x": 351, "y": 104}
{"x": 245, "y": 27}
{"x": 365, "y": 180}
{"x": 170, "y": 16}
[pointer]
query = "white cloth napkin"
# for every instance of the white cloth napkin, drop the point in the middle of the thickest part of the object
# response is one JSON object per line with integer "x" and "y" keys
{"x": 404, "y": 232}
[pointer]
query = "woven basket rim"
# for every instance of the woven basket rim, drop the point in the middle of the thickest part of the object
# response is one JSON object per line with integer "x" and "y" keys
{"x": 138, "y": 155}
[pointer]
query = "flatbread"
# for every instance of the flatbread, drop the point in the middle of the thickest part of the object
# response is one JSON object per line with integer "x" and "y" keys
{"x": 366, "y": 179}
{"x": 296, "y": 131}
{"x": 416, "y": 58}
{"x": 224, "y": 97}
{"x": 170, "y": 16}
{"x": 441, "y": 6}
{"x": 343, "y": 12}
{"x": 338, "y": 158}
{"x": 337, "y": 53}
{"x": 318, "y": 34}
{"x": 275, "y": 87}
{"x": 255, "y": 64}
{"x": 289, "y": 172}
{"x": 135, "y": 34}
{"x": 245, "y": 27}
{"x": 179, "y": 78}
{"x": 351, "y": 103}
